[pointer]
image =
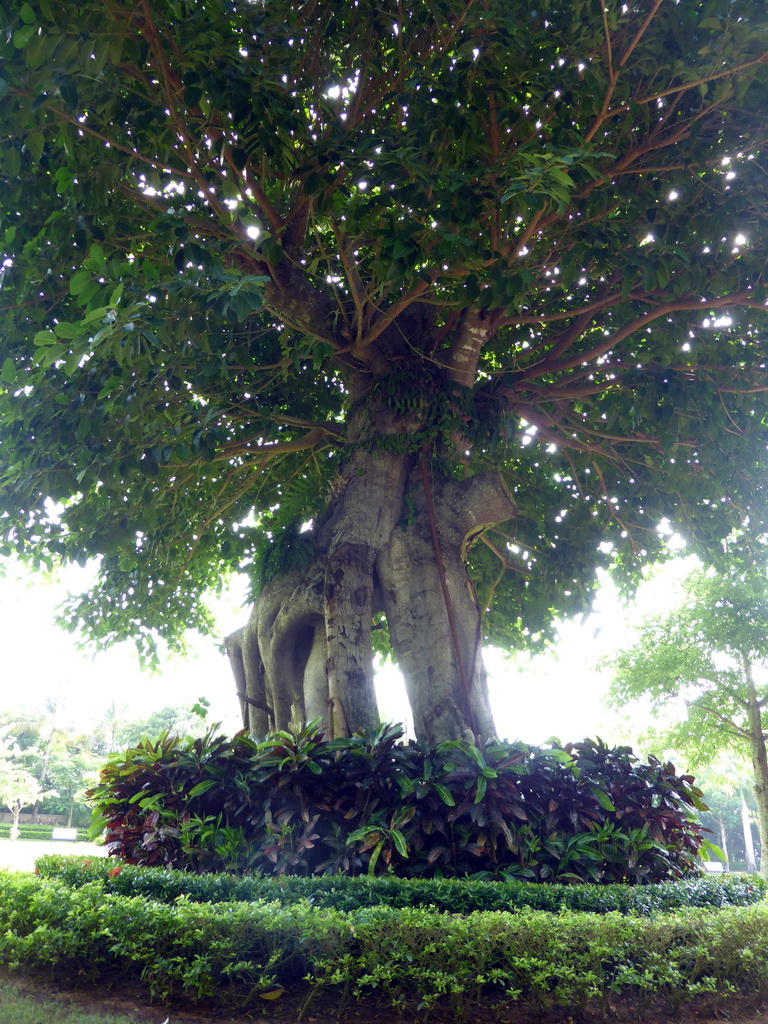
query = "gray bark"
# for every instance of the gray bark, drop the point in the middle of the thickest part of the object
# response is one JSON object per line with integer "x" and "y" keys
{"x": 386, "y": 542}
{"x": 278, "y": 658}
{"x": 306, "y": 650}
{"x": 749, "y": 846}
{"x": 440, "y": 654}
{"x": 724, "y": 840}
{"x": 360, "y": 524}
{"x": 759, "y": 765}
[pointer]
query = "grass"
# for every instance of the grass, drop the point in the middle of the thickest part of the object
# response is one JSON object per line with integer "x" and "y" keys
{"x": 18, "y": 1007}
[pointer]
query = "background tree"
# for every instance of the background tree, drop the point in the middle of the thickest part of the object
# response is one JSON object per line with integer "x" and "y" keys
{"x": 179, "y": 721}
{"x": 476, "y": 290}
{"x": 726, "y": 782}
{"x": 705, "y": 661}
{"x": 18, "y": 786}
{"x": 62, "y": 759}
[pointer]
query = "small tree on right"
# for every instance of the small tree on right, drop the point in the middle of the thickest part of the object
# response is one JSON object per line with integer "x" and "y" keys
{"x": 707, "y": 658}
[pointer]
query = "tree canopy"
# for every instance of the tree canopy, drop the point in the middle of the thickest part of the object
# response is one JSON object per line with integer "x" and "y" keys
{"x": 514, "y": 255}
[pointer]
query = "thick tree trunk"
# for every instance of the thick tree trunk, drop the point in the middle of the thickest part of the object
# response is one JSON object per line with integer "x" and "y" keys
{"x": 306, "y": 652}
{"x": 431, "y": 606}
{"x": 759, "y": 765}
{"x": 359, "y": 525}
{"x": 394, "y": 538}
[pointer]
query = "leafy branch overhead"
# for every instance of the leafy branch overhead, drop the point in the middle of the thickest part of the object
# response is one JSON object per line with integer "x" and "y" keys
{"x": 536, "y": 237}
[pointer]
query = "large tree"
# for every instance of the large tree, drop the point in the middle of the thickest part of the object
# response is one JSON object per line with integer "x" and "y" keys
{"x": 705, "y": 664}
{"x": 474, "y": 287}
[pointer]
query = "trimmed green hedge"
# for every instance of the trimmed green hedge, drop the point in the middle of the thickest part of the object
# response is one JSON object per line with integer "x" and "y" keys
{"x": 38, "y": 832}
{"x": 235, "y": 953}
{"x": 446, "y": 895}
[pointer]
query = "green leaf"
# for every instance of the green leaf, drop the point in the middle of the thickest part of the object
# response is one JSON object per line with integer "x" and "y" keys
{"x": 402, "y": 248}
{"x": 44, "y": 338}
{"x": 602, "y": 798}
{"x": 203, "y": 787}
{"x": 23, "y": 35}
{"x": 69, "y": 93}
{"x": 444, "y": 795}
{"x": 79, "y": 281}
{"x": 96, "y": 260}
{"x": 66, "y": 330}
{"x": 12, "y": 161}
{"x": 35, "y": 143}
{"x": 399, "y": 840}
{"x": 9, "y": 371}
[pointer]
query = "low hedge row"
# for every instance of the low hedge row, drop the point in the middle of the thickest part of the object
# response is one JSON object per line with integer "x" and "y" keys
{"x": 38, "y": 832}
{"x": 236, "y": 953}
{"x": 446, "y": 895}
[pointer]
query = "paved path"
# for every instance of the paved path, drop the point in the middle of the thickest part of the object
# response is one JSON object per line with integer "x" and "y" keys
{"x": 21, "y": 854}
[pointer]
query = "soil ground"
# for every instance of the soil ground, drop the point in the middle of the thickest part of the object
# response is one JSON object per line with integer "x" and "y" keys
{"x": 367, "y": 1012}
{"x": 21, "y": 855}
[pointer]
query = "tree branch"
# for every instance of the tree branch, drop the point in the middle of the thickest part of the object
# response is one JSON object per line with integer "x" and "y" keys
{"x": 730, "y": 726}
{"x": 640, "y": 33}
{"x": 679, "y": 305}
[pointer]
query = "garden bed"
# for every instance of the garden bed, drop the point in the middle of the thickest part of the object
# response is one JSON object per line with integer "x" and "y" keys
{"x": 243, "y": 956}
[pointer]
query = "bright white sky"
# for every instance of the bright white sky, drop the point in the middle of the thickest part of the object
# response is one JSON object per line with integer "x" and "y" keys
{"x": 559, "y": 694}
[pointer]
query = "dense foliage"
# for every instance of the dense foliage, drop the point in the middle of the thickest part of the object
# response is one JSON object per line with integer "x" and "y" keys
{"x": 257, "y": 254}
{"x": 419, "y": 960}
{"x": 448, "y": 895}
{"x": 301, "y": 804}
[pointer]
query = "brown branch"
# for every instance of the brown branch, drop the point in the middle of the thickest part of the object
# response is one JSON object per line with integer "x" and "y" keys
{"x": 569, "y": 314}
{"x": 680, "y": 305}
{"x": 608, "y": 46}
{"x": 612, "y": 79}
{"x": 730, "y": 726}
{"x": 258, "y": 453}
{"x": 87, "y": 130}
{"x": 353, "y": 280}
{"x": 523, "y": 240}
{"x": 640, "y": 33}
{"x": 687, "y": 86}
{"x": 199, "y": 530}
{"x": 262, "y": 204}
{"x": 501, "y": 557}
{"x": 393, "y": 312}
{"x": 171, "y": 86}
{"x": 613, "y": 514}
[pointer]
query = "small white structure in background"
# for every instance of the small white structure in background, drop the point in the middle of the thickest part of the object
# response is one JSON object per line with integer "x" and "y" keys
{"x": 713, "y": 867}
{"x": 67, "y": 834}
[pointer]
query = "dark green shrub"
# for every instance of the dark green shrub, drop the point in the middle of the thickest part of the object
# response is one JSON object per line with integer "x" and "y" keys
{"x": 301, "y": 805}
{"x": 448, "y": 895}
{"x": 415, "y": 958}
